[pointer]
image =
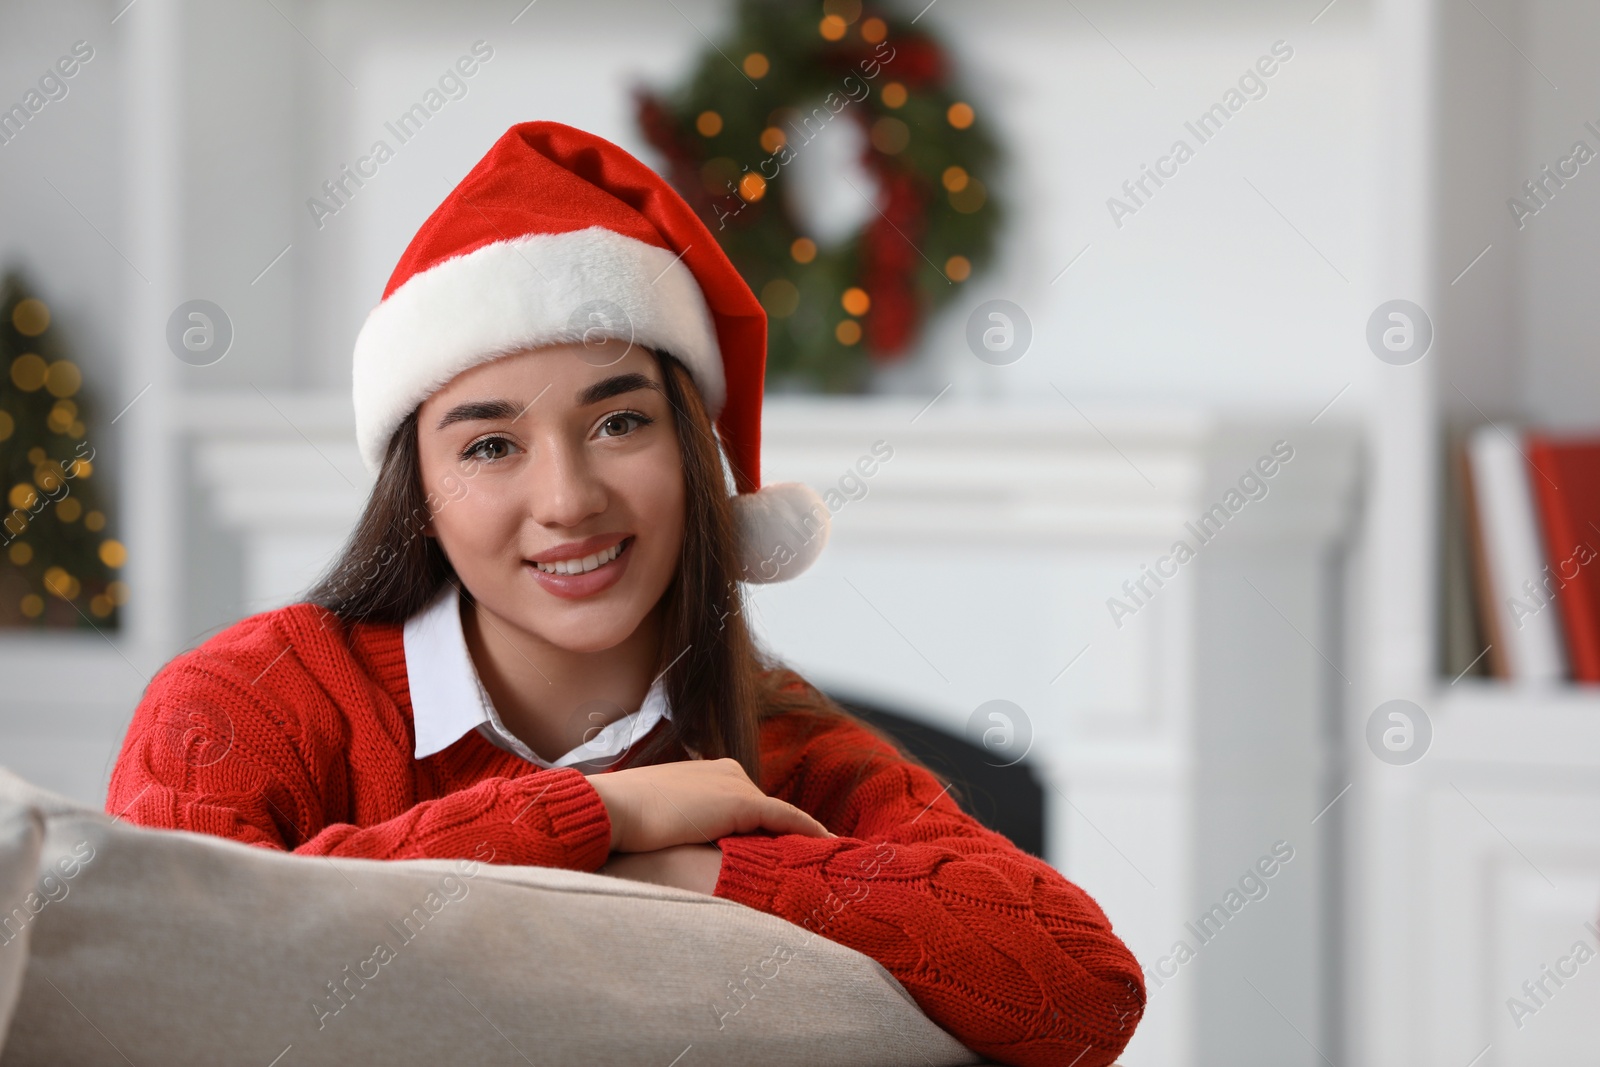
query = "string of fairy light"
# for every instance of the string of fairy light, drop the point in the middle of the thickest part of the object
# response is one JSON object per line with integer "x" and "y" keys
{"x": 878, "y": 287}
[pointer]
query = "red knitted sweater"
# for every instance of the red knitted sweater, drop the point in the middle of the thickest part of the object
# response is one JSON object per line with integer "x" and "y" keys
{"x": 291, "y": 730}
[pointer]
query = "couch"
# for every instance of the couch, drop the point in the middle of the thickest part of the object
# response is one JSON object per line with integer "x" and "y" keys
{"x": 121, "y": 944}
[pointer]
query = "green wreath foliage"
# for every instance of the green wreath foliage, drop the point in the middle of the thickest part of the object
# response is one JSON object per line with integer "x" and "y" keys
{"x": 800, "y": 68}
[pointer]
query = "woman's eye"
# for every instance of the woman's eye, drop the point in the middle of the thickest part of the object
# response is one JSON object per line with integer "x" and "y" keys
{"x": 621, "y": 423}
{"x": 489, "y": 449}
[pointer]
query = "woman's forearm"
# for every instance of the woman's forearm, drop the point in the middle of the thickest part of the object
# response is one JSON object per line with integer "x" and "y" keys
{"x": 694, "y": 867}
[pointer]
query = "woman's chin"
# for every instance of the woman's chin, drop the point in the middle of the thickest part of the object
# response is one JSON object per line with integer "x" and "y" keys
{"x": 581, "y": 627}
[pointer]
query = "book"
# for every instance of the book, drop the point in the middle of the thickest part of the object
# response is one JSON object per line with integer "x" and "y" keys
{"x": 1519, "y": 616}
{"x": 1464, "y": 648}
{"x": 1565, "y": 478}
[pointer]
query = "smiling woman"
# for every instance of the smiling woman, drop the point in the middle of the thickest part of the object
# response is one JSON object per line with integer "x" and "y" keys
{"x": 533, "y": 642}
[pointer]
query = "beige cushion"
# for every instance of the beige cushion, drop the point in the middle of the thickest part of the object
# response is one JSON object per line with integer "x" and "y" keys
{"x": 21, "y": 833}
{"x": 178, "y": 948}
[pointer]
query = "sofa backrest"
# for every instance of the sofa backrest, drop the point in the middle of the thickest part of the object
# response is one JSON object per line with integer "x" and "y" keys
{"x": 182, "y": 948}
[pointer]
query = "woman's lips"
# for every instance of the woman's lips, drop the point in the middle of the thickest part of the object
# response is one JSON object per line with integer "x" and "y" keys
{"x": 577, "y": 586}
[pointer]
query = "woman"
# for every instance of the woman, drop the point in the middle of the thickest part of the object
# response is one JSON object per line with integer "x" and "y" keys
{"x": 533, "y": 639}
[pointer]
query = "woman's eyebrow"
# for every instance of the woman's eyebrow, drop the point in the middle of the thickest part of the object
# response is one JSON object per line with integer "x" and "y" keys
{"x": 616, "y": 385}
{"x": 479, "y": 410}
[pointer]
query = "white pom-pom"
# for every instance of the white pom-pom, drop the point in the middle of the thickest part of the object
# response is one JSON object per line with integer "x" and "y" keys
{"x": 782, "y": 530}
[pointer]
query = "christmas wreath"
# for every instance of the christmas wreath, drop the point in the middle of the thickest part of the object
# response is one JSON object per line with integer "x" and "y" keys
{"x": 757, "y": 103}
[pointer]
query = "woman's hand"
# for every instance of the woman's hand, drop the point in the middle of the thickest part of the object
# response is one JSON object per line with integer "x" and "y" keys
{"x": 692, "y": 802}
{"x": 694, "y": 867}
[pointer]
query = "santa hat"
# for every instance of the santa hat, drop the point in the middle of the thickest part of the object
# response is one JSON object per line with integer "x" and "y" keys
{"x": 560, "y": 236}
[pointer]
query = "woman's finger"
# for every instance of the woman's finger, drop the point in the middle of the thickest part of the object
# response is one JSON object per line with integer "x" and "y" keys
{"x": 784, "y": 818}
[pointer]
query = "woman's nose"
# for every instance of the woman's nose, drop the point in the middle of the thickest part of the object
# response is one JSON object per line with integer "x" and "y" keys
{"x": 564, "y": 490}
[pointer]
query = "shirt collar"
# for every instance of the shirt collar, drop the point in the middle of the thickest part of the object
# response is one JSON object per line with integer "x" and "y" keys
{"x": 448, "y": 699}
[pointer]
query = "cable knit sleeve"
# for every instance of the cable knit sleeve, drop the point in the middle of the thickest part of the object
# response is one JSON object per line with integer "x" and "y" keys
{"x": 994, "y": 945}
{"x": 214, "y": 748}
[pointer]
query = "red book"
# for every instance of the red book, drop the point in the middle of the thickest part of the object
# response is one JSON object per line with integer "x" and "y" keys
{"x": 1565, "y": 479}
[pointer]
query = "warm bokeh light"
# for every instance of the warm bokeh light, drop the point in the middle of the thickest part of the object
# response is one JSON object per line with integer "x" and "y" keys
{"x": 708, "y": 123}
{"x": 28, "y": 372}
{"x": 63, "y": 378}
{"x": 31, "y": 317}
{"x": 849, "y": 10}
{"x": 959, "y": 115}
{"x": 752, "y": 187}
{"x": 780, "y": 297}
{"x": 58, "y": 582}
{"x": 718, "y": 175}
{"x": 855, "y": 300}
{"x": 970, "y": 198}
{"x": 889, "y": 135}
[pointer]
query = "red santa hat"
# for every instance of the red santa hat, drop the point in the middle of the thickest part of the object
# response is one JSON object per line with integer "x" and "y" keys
{"x": 561, "y": 236}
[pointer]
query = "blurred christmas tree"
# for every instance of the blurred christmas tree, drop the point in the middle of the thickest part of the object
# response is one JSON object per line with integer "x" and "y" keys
{"x": 61, "y": 561}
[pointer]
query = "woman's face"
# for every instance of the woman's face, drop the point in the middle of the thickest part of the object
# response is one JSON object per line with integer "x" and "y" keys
{"x": 571, "y": 518}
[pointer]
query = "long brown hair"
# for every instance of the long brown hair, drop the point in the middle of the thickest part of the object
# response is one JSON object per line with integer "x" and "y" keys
{"x": 718, "y": 684}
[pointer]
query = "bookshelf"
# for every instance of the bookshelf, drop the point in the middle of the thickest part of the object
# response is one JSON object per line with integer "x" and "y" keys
{"x": 1480, "y": 721}
{"x": 1477, "y": 865}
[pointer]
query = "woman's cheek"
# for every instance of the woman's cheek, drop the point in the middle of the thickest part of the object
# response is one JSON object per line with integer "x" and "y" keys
{"x": 649, "y": 487}
{"x": 479, "y": 528}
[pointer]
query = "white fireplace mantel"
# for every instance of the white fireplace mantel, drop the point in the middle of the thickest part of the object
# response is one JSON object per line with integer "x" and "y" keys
{"x": 975, "y": 563}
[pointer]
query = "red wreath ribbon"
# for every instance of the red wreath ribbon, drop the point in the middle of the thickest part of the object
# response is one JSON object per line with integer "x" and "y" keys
{"x": 889, "y": 256}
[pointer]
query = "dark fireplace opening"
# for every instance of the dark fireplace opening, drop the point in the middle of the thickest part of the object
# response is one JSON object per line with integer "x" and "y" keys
{"x": 1007, "y": 800}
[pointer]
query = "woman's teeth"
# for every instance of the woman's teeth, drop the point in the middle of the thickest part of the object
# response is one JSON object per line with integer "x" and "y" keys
{"x": 584, "y": 565}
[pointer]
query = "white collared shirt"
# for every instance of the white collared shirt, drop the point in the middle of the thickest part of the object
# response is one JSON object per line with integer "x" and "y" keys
{"x": 448, "y": 698}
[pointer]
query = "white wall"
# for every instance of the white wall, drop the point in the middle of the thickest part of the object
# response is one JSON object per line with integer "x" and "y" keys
{"x": 60, "y": 206}
{"x": 1207, "y": 294}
